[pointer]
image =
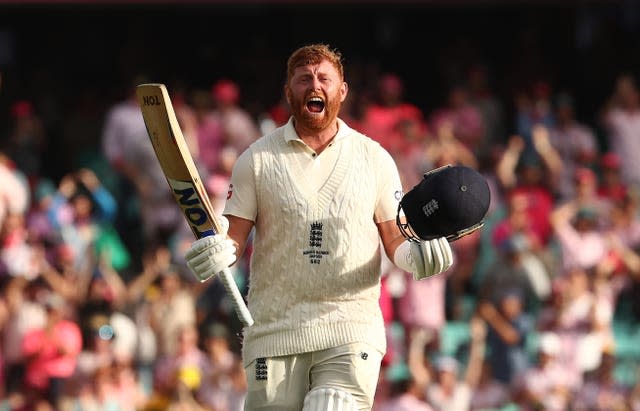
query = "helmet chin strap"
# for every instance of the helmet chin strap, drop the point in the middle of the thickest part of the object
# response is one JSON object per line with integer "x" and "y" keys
{"x": 410, "y": 235}
{"x": 405, "y": 228}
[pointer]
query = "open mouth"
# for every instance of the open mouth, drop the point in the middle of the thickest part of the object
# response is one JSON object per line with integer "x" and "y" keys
{"x": 315, "y": 105}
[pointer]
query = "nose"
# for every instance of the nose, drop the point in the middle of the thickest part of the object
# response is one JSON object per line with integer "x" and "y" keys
{"x": 317, "y": 85}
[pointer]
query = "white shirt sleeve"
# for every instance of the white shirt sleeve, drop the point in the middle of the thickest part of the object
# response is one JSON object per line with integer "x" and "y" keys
{"x": 390, "y": 189}
{"x": 241, "y": 199}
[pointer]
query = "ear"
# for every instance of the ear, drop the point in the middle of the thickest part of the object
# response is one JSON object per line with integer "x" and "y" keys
{"x": 287, "y": 93}
{"x": 344, "y": 90}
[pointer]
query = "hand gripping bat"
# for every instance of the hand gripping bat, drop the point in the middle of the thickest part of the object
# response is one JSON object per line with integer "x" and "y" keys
{"x": 182, "y": 176}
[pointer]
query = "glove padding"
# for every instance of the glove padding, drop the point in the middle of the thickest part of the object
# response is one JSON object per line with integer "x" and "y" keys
{"x": 431, "y": 257}
{"x": 424, "y": 258}
{"x": 208, "y": 256}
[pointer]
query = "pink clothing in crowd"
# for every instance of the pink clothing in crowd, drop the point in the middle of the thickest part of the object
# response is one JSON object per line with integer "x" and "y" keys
{"x": 547, "y": 385}
{"x": 53, "y": 353}
{"x": 468, "y": 125}
{"x": 405, "y": 402}
{"x": 583, "y": 250}
{"x": 422, "y": 305}
{"x": 383, "y": 124}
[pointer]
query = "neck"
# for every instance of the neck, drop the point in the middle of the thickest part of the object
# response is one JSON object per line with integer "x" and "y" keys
{"x": 317, "y": 140}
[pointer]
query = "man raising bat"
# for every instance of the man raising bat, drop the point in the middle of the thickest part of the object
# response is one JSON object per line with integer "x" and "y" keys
{"x": 321, "y": 197}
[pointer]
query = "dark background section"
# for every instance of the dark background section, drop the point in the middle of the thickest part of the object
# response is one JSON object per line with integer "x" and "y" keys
{"x": 75, "y": 59}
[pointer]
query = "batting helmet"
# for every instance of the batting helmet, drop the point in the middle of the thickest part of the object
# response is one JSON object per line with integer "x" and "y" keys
{"x": 450, "y": 202}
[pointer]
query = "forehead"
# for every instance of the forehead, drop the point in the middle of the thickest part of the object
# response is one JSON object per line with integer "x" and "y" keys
{"x": 324, "y": 67}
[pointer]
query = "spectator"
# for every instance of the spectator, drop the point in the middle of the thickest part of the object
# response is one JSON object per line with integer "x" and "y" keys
{"x": 621, "y": 121}
{"x": 16, "y": 251}
{"x": 181, "y": 372}
{"x": 125, "y": 144}
{"x": 382, "y": 120}
{"x": 586, "y": 194}
{"x": 601, "y": 391}
{"x": 28, "y": 140}
{"x": 533, "y": 109}
{"x": 582, "y": 244}
{"x": 448, "y": 390}
{"x": 464, "y": 118}
{"x": 239, "y": 128}
{"x": 508, "y": 273}
{"x": 574, "y": 141}
{"x": 421, "y": 311}
{"x": 484, "y": 98}
{"x": 51, "y": 353}
{"x": 611, "y": 185}
{"x": 210, "y": 138}
{"x": 25, "y": 313}
{"x": 220, "y": 389}
{"x": 97, "y": 392}
{"x": 572, "y": 320}
{"x": 171, "y": 310}
{"x": 38, "y": 222}
{"x": 405, "y": 395}
{"x": 490, "y": 393}
{"x": 444, "y": 148}
{"x": 507, "y": 329}
{"x": 530, "y": 174}
{"x": 545, "y": 384}
{"x": 84, "y": 211}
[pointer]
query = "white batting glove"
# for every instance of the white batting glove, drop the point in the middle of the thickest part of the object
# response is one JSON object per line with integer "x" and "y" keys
{"x": 208, "y": 256}
{"x": 425, "y": 258}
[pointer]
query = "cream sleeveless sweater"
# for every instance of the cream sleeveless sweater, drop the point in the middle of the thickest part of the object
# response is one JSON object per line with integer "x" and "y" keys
{"x": 315, "y": 267}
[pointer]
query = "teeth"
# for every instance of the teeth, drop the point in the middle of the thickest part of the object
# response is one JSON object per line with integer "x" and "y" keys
{"x": 315, "y": 99}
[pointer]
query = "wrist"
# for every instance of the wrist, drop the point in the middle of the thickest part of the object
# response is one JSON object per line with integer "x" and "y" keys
{"x": 403, "y": 259}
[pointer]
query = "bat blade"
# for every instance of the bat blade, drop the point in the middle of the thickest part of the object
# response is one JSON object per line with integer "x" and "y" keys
{"x": 182, "y": 175}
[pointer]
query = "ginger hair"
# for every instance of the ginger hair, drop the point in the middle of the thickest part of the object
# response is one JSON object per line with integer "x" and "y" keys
{"x": 314, "y": 54}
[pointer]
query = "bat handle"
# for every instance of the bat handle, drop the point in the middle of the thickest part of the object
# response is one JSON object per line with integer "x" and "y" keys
{"x": 238, "y": 302}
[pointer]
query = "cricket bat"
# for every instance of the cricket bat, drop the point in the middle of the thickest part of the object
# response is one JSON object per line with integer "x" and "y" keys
{"x": 183, "y": 177}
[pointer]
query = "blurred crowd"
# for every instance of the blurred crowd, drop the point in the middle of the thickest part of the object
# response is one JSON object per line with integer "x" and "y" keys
{"x": 540, "y": 311}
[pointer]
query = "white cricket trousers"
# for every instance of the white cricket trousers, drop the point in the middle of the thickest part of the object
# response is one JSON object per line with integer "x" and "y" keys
{"x": 281, "y": 383}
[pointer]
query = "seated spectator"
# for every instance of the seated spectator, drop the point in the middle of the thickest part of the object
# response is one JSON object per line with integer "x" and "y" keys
{"x": 218, "y": 389}
{"x": 490, "y": 393}
{"x": 545, "y": 385}
{"x": 600, "y": 390}
{"x": 181, "y": 371}
{"x": 572, "y": 321}
{"x": 446, "y": 388}
{"x": 405, "y": 395}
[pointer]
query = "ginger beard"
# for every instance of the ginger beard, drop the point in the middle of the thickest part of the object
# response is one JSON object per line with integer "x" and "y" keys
{"x": 314, "y": 111}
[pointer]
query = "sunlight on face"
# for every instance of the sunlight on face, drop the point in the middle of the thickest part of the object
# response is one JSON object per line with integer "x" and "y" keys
{"x": 315, "y": 93}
